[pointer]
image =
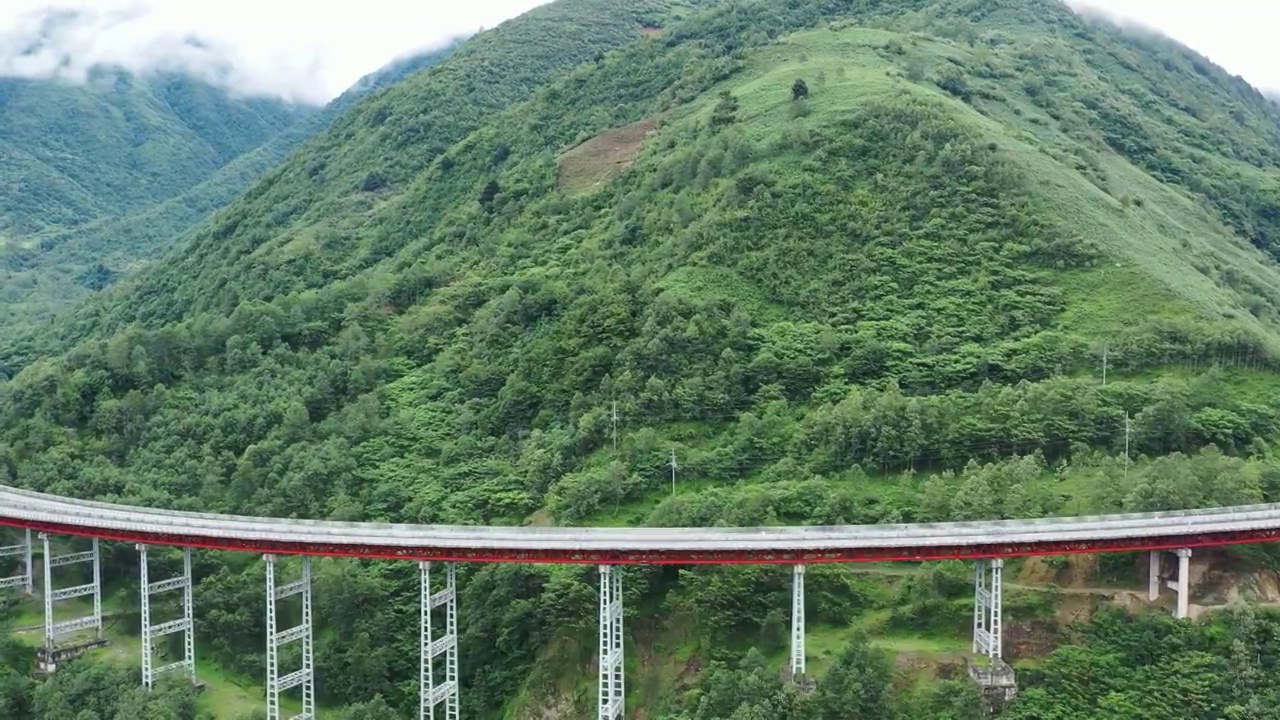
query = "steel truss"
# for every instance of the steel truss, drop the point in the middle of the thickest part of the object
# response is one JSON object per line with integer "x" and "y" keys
{"x": 431, "y": 694}
{"x": 184, "y": 625}
{"x": 797, "y": 622}
{"x": 56, "y": 629}
{"x": 612, "y": 689}
{"x": 26, "y": 580}
{"x": 988, "y": 591}
{"x": 304, "y": 677}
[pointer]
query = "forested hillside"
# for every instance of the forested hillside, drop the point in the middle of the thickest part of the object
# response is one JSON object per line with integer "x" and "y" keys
{"x": 75, "y": 157}
{"x": 61, "y": 266}
{"x": 117, "y": 143}
{"x": 846, "y": 262}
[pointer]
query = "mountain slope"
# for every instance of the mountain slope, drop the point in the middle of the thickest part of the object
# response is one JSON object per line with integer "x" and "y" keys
{"x": 888, "y": 292}
{"x": 75, "y": 158}
{"x": 399, "y": 132}
{"x": 119, "y": 143}
{"x": 69, "y": 265}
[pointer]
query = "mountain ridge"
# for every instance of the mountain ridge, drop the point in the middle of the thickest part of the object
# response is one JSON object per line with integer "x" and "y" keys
{"x": 170, "y": 118}
{"x": 76, "y": 262}
{"x": 76, "y": 155}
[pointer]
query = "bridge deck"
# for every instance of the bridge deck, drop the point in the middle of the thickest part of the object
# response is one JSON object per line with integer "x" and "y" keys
{"x": 850, "y": 543}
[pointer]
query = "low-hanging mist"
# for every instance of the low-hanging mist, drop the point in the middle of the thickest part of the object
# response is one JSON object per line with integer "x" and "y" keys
{"x": 298, "y": 52}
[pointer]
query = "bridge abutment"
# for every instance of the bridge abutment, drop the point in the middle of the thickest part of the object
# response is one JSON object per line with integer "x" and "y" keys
{"x": 996, "y": 680}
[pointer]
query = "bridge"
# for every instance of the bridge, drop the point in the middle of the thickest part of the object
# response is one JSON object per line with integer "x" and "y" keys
{"x": 987, "y": 544}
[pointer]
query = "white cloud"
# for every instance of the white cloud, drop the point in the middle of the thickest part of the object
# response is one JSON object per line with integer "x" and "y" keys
{"x": 304, "y": 50}
{"x": 311, "y": 50}
{"x": 1236, "y": 34}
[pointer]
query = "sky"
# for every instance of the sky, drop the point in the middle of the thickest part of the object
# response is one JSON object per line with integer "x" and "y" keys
{"x": 1236, "y": 34}
{"x": 300, "y": 50}
{"x": 311, "y": 50}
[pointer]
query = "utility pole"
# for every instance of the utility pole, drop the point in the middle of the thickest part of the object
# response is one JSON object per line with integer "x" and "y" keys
{"x": 673, "y": 472}
{"x": 1104, "y": 365}
{"x": 614, "y": 417}
{"x": 1126, "y": 446}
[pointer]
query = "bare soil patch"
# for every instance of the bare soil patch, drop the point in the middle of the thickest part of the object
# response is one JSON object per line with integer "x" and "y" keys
{"x": 598, "y": 160}
{"x": 1072, "y": 571}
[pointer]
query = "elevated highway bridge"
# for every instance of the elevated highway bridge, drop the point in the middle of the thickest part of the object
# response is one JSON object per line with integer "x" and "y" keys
{"x": 987, "y": 543}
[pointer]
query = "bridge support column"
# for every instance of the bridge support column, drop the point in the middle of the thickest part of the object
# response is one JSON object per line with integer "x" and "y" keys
{"x": 987, "y": 608}
{"x": 185, "y": 624}
{"x": 1153, "y": 576}
{"x": 431, "y": 694}
{"x": 304, "y": 677}
{"x": 797, "y": 623}
{"x": 612, "y": 690}
{"x": 1183, "y": 583}
{"x": 54, "y": 629}
{"x": 26, "y": 580}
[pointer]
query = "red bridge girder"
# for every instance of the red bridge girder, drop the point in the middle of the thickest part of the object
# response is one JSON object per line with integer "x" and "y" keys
{"x": 664, "y": 557}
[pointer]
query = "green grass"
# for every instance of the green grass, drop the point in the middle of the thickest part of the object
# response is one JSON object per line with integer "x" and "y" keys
{"x": 716, "y": 283}
{"x": 823, "y": 643}
{"x": 1167, "y": 259}
{"x": 1101, "y": 302}
{"x": 227, "y": 696}
{"x": 224, "y": 695}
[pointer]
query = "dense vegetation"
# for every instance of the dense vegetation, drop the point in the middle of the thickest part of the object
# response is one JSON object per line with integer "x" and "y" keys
{"x": 76, "y": 157}
{"x": 870, "y": 265}
{"x": 64, "y": 266}
{"x": 118, "y": 143}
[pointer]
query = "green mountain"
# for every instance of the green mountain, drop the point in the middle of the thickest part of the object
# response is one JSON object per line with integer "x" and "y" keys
{"x": 848, "y": 262}
{"x": 75, "y": 153}
{"x": 56, "y": 269}
{"x": 75, "y": 158}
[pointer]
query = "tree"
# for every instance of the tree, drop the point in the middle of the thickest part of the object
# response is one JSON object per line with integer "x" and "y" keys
{"x": 857, "y": 685}
{"x": 952, "y": 79}
{"x": 489, "y": 193}
{"x": 799, "y": 90}
{"x": 375, "y": 709}
{"x": 726, "y": 110}
{"x": 949, "y": 700}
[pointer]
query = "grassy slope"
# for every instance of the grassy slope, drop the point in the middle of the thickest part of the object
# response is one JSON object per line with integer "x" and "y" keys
{"x": 1156, "y": 251}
